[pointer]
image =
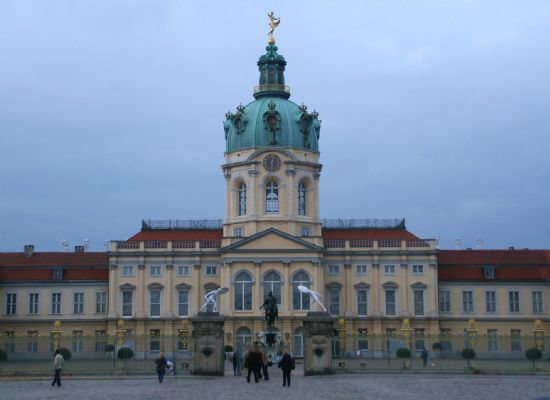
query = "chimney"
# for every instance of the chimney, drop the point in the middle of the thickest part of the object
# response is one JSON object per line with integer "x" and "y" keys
{"x": 79, "y": 249}
{"x": 29, "y": 250}
{"x": 511, "y": 248}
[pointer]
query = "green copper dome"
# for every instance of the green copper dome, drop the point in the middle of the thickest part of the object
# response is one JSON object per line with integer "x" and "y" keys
{"x": 272, "y": 120}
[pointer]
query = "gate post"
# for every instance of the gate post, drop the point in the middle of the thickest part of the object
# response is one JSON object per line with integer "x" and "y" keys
{"x": 318, "y": 335}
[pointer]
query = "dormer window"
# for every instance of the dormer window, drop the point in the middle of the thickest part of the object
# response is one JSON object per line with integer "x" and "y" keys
{"x": 58, "y": 274}
{"x": 489, "y": 272}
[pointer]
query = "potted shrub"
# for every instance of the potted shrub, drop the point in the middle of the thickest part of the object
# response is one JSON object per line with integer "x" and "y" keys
{"x": 403, "y": 353}
{"x": 533, "y": 354}
{"x": 468, "y": 354}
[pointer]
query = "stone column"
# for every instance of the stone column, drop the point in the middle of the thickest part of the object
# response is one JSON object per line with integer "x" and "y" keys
{"x": 404, "y": 299}
{"x": 376, "y": 307}
{"x": 225, "y": 279}
{"x": 318, "y": 336}
{"x": 208, "y": 338}
{"x": 348, "y": 291}
{"x": 286, "y": 289}
{"x": 169, "y": 299}
{"x": 257, "y": 288}
{"x": 113, "y": 290}
{"x": 141, "y": 292}
{"x": 197, "y": 290}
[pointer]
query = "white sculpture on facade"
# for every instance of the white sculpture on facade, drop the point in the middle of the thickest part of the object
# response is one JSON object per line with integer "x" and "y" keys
{"x": 314, "y": 296}
{"x": 211, "y": 298}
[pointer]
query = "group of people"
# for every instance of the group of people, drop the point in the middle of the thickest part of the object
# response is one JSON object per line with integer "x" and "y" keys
{"x": 257, "y": 362}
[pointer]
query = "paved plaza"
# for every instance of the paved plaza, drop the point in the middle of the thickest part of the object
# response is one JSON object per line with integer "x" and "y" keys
{"x": 353, "y": 386}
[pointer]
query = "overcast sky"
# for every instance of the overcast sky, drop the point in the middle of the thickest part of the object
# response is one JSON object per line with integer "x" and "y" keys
{"x": 434, "y": 111}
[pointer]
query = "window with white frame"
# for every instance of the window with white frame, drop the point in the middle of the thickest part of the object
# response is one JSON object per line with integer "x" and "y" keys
{"x": 243, "y": 291}
{"x": 467, "y": 301}
{"x": 78, "y": 303}
{"x": 33, "y": 303}
{"x": 492, "y": 339}
{"x": 242, "y": 199}
{"x": 183, "y": 302}
{"x": 389, "y": 269}
{"x": 444, "y": 301}
{"x": 390, "y": 296}
{"x": 11, "y": 303}
{"x": 334, "y": 301}
{"x": 333, "y": 269}
{"x": 363, "y": 340}
{"x": 489, "y": 272}
{"x": 100, "y": 340}
{"x": 299, "y": 342}
{"x": 417, "y": 269}
{"x": 101, "y": 302}
{"x": 238, "y": 231}
{"x": 128, "y": 270}
{"x": 58, "y": 274}
{"x": 211, "y": 270}
{"x": 361, "y": 269}
{"x": 538, "y": 301}
{"x": 155, "y": 270}
{"x": 77, "y": 341}
{"x": 56, "y": 303}
{"x": 302, "y": 190}
{"x": 271, "y": 198}
{"x": 127, "y": 303}
{"x": 419, "y": 339}
{"x": 32, "y": 341}
{"x": 243, "y": 337}
{"x": 300, "y": 301}
{"x": 272, "y": 283}
{"x": 362, "y": 302}
{"x": 183, "y": 270}
{"x": 513, "y": 300}
{"x": 490, "y": 301}
{"x": 154, "y": 339}
{"x": 305, "y": 231}
{"x": 515, "y": 339}
{"x": 418, "y": 300}
{"x": 154, "y": 300}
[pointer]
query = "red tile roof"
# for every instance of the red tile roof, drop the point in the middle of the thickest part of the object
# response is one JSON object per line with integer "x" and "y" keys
{"x": 368, "y": 234}
{"x": 510, "y": 265}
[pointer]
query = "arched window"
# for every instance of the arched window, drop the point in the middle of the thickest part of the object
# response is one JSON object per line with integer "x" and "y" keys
{"x": 300, "y": 301}
{"x": 299, "y": 342}
{"x": 302, "y": 198}
{"x": 272, "y": 198}
{"x": 242, "y": 199}
{"x": 243, "y": 338}
{"x": 272, "y": 283}
{"x": 243, "y": 291}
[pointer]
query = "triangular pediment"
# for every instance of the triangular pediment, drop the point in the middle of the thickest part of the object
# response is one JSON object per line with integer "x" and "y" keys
{"x": 272, "y": 239}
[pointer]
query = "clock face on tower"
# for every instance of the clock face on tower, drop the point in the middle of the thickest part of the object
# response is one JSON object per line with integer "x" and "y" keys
{"x": 272, "y": 163}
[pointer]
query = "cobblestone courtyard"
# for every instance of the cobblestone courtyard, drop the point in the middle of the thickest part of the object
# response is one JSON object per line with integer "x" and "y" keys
{"x": 371, "y": 387}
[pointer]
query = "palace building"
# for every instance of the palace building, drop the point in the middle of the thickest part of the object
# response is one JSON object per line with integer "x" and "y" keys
{"x": 373, "y": 275}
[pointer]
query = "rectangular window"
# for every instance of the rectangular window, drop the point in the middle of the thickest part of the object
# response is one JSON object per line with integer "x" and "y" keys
{"x": 58, "y": 274}
{"x": 155, "y": 270}
{"x": 334, "y": 301}
{"x": 100, "y": 341}
{"x": 537, "y": 302}
{"x": 33, "y": 303}
{"x": 56, "y": 303}
{"x": 489, "y": 272}
{"x": 418, "y": 269}
{"x": 11, "y": 303}
{"x": 391, "y": 302}
{"x": 211, "y": 270}
{"x": 155, "y": 303}
{"x": 389, "y": 269}
{"x": 9, "y": 343}
{"x": 183, "y": 270}
{"x": 77, "y": 341}
{"x": 513, "y": 301}
{"x": 419, "y": 342}
{"x": 418, "y": 298}
{"x": 361, "y": 269}
{"x": 490, "y": 301}
{"x": 154, "y": 340}
{"x": 238, "y": 232}
{"x": 183, "y": 303}
{"x": 363, "y": 341}
{"x": 101, "y": 302}
{"x": 444, "y": 301}
{"x": 392, "y": 343}
{"x": 492, "y": 339}
{"x": 306, "y": 231}
{"x": 127, "y": 303}
{"x": 515, "y": 339}
{"x": 362, "y": 302}
{"x": 333, "y": 269}
{"x": 467, "y": 301}
{"x": 128, "y": 270}
{"x": 445, "y": 339}
{"x": 78, "y": 303}
{"x": 32, "y": 342}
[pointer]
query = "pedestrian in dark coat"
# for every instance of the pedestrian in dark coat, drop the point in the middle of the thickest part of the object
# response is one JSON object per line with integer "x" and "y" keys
{"x": 286, "y": 364}
{"x": 58, "y": 362}
{"x": 424, "y": 357}
{"x": 237, "y": 363}
{"x": 253, "y": 362}
{"x": 162, "y": 364}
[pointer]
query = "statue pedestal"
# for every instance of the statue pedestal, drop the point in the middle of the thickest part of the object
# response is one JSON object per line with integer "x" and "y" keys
{"x": 318, "y": 336}
{"x": 208, "y": 344}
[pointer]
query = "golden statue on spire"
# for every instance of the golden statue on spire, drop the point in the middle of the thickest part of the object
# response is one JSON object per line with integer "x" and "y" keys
{"x": 273, "y": 23}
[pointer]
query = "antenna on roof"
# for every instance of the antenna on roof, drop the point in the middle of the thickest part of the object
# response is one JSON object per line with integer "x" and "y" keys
{"x": 86, "y": 244}
{"x": 458, "y": 242}
{"x": 65, "y": 244}
{"x": 479, "y": 243}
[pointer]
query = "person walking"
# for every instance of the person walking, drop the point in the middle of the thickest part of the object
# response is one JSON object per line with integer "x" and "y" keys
{"x": 424, "y": 357}
{"x": 265, "y": 365}
{"x": 162, "y": 364}
{"x": 287, "y": 364}
{"x": 58, "y": 362}
{"x": 253, "y": 362}
{"x": 237, "y": 363}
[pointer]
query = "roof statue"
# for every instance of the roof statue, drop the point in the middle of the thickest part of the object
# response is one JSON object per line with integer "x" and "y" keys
{"x": 273, "y": 23}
